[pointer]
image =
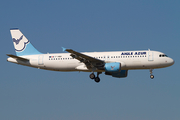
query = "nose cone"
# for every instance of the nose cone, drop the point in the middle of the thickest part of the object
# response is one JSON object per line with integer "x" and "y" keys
{"x": 170, "y": 61}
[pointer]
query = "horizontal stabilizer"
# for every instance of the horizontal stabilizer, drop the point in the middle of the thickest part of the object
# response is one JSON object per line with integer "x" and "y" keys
{"x": 17, "y": 57}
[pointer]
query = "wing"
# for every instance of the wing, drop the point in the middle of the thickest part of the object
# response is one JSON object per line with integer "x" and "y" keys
{"x": 89, "y": 61}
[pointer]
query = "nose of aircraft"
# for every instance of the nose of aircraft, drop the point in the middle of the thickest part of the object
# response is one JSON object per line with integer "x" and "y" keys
{"x": 171, "y": 61}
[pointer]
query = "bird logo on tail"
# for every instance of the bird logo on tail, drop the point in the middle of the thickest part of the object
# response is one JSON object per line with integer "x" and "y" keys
{"x": 17, "y": 40}
{"x": 20, "y": 43}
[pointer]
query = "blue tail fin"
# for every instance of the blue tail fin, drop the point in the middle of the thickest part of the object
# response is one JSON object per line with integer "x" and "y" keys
{"x": 21, "y": 44}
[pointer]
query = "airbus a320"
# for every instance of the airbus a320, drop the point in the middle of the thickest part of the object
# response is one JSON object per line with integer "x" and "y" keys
{"x": 115, "y": 64}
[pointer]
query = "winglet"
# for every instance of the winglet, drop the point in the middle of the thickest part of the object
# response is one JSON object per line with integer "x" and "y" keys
{"x": 64, "y": 49}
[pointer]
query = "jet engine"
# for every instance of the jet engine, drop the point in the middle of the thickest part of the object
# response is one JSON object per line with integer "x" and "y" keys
{"x": 113, "y": 67}
{"x": 121, "y": 74}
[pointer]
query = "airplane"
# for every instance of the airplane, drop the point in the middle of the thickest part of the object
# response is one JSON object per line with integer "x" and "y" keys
{"x": 115, "y": 64}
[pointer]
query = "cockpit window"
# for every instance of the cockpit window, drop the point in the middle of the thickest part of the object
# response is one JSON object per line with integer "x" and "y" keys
{"x": 163, "y": 55}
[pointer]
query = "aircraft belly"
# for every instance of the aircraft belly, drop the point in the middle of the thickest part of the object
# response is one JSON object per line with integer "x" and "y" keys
{"x": 134, "y": 64}
{"x": 143, "y": 65}
{"x": 61, "y": 66}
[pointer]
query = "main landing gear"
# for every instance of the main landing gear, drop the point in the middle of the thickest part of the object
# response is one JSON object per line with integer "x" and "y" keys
{"x": 96, "y": 79}
{"x": 151, "y": 76}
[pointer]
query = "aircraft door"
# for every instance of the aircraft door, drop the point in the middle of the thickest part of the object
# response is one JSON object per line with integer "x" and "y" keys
{"x": 150, "y": 56}
{"x": 40, "y": 60}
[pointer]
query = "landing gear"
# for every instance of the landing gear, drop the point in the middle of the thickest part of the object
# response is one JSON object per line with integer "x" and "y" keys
{"x": 92, "y": 76}
{"x": 96, "y": 79}
{"x": 151, "y": 76}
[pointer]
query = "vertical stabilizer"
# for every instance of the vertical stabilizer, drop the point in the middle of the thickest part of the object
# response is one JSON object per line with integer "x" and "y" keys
{"x": 21, "y": 44}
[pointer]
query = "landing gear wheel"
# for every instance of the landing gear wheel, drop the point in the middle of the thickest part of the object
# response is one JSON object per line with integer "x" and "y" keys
{"x": 97, "y": 79}
{"x": 151, "y": 76}
{"x": 92, "y": 76}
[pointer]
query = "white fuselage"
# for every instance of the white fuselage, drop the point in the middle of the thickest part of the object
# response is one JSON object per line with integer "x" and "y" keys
{"x": 128, "y": 59}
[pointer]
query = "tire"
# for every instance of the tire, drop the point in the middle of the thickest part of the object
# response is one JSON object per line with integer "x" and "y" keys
{"x": 92, "y": 76}
{"x": 97, "y": 79}
{"x": 151, "y": 76}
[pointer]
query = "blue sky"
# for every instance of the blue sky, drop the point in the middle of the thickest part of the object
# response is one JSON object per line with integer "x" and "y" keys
{"x": 33, "y": 94}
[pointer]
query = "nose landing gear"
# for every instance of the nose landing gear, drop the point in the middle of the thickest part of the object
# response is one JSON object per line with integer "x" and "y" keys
{"x": 96, "y": 79}
{"x": 151, "y": 76}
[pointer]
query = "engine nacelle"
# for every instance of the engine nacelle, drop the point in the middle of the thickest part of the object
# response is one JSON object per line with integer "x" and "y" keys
{"x": 121, "y": 74}
{"x": 114, "y": 67}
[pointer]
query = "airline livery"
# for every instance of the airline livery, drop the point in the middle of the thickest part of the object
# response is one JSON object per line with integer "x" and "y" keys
{"x": 115, "y": 64}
